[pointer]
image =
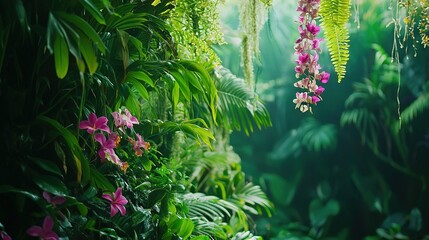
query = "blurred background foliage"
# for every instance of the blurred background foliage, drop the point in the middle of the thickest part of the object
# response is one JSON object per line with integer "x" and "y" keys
{"x": 353, "y": 169}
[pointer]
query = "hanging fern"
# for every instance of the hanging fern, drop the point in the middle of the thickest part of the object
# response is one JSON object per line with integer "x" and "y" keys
{"x": 334, "y": 16}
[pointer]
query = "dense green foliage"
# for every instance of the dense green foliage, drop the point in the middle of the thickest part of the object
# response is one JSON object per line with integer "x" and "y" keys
{"x": 354, "y": 169}
{"x": 62, "y": 61}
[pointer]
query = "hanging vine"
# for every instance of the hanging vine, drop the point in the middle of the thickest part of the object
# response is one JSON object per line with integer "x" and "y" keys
{"x": 253, "y": 15}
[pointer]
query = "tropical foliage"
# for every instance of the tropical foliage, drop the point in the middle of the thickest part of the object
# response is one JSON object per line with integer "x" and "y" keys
{"x": 118, "y": 123}
{"x": 355, "y": 168}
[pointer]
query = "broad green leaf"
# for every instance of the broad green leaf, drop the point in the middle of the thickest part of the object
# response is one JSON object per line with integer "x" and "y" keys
{"x": 87, "y": 50}
{"x": 61, "y": 56}
{"x": 140, "y": 89}
{"x": 9, "y": 189}
{"x": 142, "y": 76}
{"x": 186, "y": 228}
{"x": 50, "y": 184}
{"x": 86, "y": 29}
{"x": 99, "y": 181}
{"x": 47, "y": 166}
{"x": 71, "y": 140}
{"x": 175, "y": 94}
{"x": 156, "y": 196}
{"x": 93, "y": 10}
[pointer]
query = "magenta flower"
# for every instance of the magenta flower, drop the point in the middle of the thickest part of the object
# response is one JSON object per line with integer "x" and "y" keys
{"x": 45, "y": 232}
{"x": 313, "y": 29}
{"x": 117, "y": 202}
{"x": 4, "y": 236}
{"x": 139, "y": 144}
{"x": 93, "y": 124}
{"x": 315, "y": 99}
{"x": 324, "y": 77}
{"x": 106, "y": 146}
{"x": 124, "y": 118}
{"x": 53, "y": 199}
{"x": 319, "y": 90}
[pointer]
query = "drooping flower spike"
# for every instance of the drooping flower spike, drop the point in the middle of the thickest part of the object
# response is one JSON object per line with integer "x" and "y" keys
{"x": 307, "y": 47}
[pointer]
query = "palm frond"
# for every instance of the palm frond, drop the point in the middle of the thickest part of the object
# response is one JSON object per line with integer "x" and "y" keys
{"x": 334, "y": 16}
{"x": 237, "y": 106}
{"x": 417, "y": 107}
{"x": 311, "y": 135}
{"x": 251, "y": 199}
{"x": 209, "y": 228}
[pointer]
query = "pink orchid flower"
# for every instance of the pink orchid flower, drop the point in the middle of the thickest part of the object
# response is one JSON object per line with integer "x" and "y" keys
{"x": 53, "y": 199}
{"x": 4, "y": 236}
{"x": 139, "y": 144}
{"x": 117, "y": 202}
{"x": 124, "y": 118}
{"x": 93, "y": 124}
{"x": 45, "y": 232}
{"x": 324, "y": 77}
{"x": 106, "y": 146}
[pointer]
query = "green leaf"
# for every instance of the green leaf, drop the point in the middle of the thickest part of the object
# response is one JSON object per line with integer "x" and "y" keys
{"x": 320, "y": 212}
{"x": 156, "y": 196}
{"x": 99, "y": 181}
{"x": 50, "y": 184}
{"x": 87, "y": 50}
{"x": 140, "y": 88}
{"x": 186, "y": 228}
{"x": 81, "y": 162}
{"x": 93, "y": 10}
{"x": 47, "y": 166}
{"x": 175, "y": 94}
{"x": 86, "y": 29}
{"x": 9, "y": 189}
{"x": 141, "y": 76}
{"x": 61, "y": 56}
{"x": 71, "y": 201}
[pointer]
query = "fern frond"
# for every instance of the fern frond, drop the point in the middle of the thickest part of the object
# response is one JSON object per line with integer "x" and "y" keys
{"x": 334, "y": 16}
{"x": 238, "y": 106}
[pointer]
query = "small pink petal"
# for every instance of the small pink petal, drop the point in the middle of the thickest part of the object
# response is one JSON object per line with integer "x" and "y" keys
{"x": 121, "y": 209}
{"x": 35, "y": 231}
{"x": 48, "y": 223}
{"x": 107, "y": 197}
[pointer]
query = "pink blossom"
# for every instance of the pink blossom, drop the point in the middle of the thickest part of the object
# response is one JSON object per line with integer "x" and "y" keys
{"x": 106, "y": 146}
{"x": 313, "y": 29}
{"x": 139, "y": 144}
{"x": 124, "y": 118}
{"x": 93, "y": 124}
{"x": 319, "y": 90}
{"x": 4, "y": 236}
{"x": 117, "y": 202}
{"x": 53, "y": 199}
{"x": 115, "y": 138}
{"x": 45, "y": 232}
{"x": 324, "y": 77}
{"x": 315, "y": 99}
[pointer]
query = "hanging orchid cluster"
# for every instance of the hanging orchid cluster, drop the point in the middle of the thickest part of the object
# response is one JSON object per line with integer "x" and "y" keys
{"x": 307, "y": 47}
